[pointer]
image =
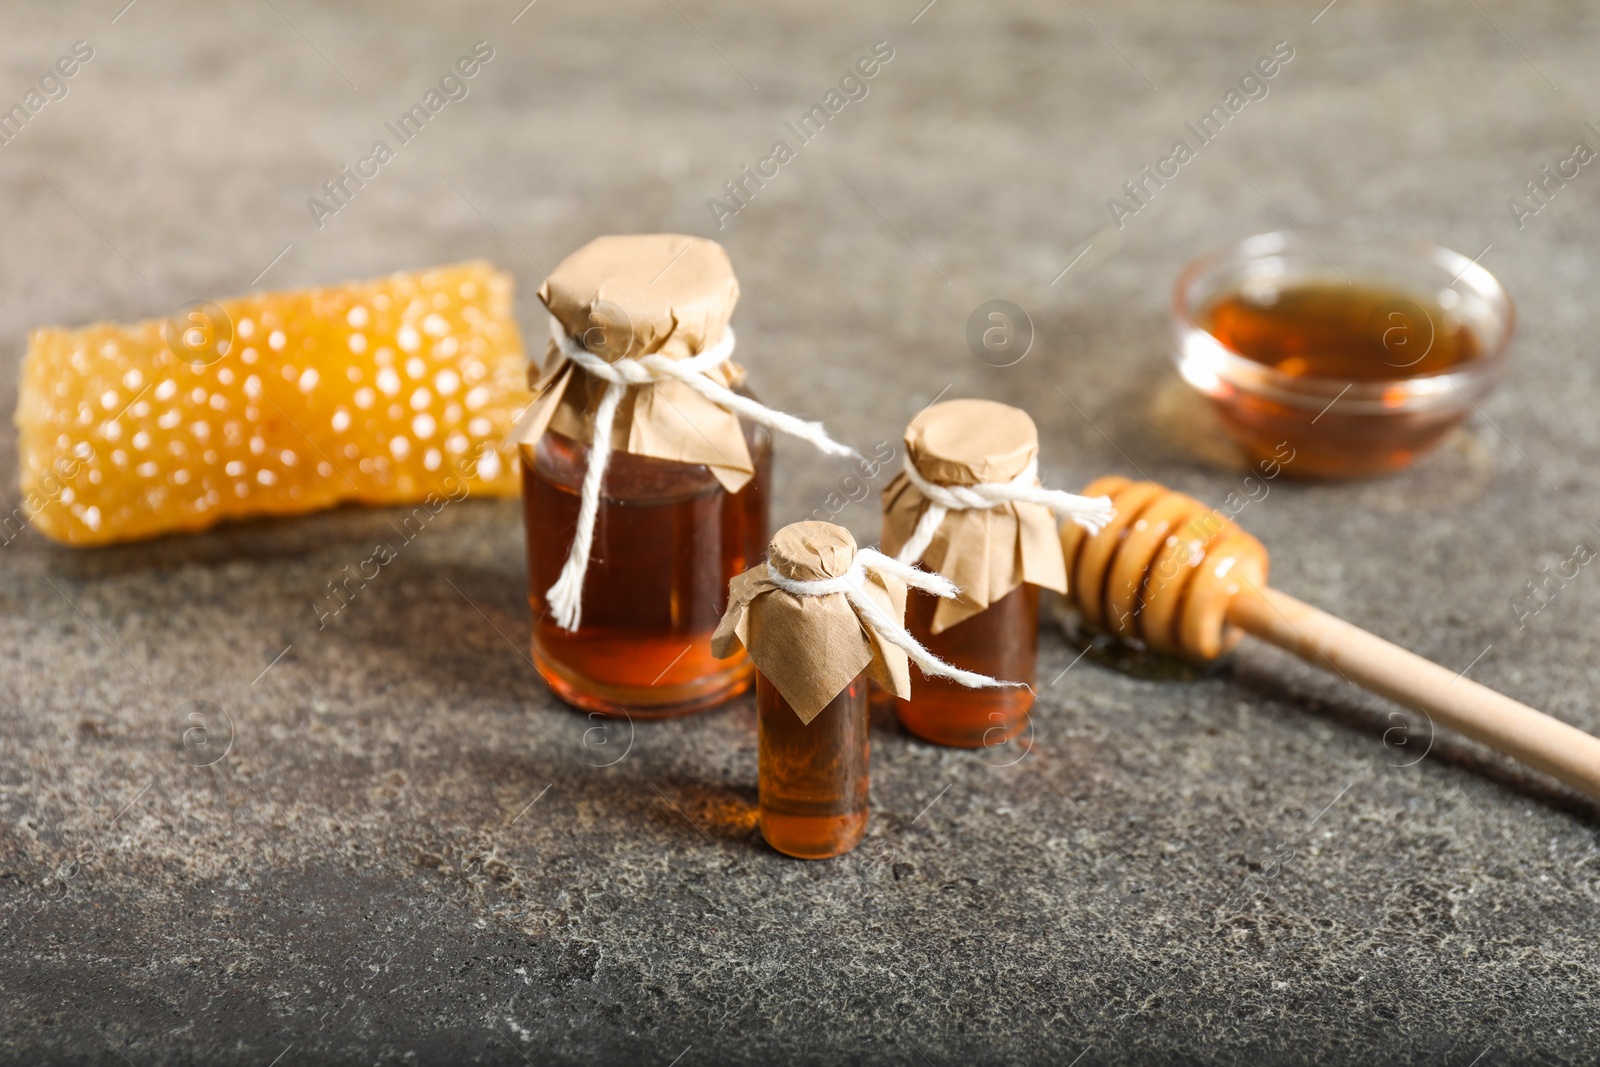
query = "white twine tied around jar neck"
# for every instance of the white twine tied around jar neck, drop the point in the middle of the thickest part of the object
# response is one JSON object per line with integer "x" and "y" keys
{"x": 849, "y": 583}
{"x": 565, "y": 597}
{"x": 1090, "y": 512}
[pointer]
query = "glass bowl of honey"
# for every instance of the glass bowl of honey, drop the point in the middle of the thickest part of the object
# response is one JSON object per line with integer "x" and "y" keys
{"x": 1340, "y": 356}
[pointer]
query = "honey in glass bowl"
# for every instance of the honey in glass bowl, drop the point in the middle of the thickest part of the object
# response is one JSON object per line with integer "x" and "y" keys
{"x": 1352, "y": 357}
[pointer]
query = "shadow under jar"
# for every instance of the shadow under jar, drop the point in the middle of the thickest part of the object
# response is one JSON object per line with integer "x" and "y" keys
{"x": 667, "y": 539}
{"x": 813, "y": 792}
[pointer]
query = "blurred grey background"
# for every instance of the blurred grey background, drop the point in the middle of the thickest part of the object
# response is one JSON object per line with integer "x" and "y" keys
{"x": 408, "y": 852}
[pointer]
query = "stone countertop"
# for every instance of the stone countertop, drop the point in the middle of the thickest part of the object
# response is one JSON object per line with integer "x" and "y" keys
{"x": 408, "y": 852}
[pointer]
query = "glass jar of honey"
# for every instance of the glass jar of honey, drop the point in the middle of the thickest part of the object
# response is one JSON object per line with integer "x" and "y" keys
{"x": 968, "y": 506}
{"x": 798, "y": 615}
{"x": 643, "y": 494}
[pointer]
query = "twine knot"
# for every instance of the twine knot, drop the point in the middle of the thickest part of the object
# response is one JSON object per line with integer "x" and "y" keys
{"x": 1091, "y": 513}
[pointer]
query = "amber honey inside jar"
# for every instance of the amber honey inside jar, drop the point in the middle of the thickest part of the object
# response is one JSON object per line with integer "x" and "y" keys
{"x": 1351, "y": 357}
{"x": 813, "y": 776}
{"x": 1003, "y": 642}
{"x": 668, "y": 538}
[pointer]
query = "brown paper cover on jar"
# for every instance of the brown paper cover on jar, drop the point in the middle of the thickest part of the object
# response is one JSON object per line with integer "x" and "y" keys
{"x": 986, "y": 552}
{"x": 625, "y": 297}
{"x": 811, "y": 647}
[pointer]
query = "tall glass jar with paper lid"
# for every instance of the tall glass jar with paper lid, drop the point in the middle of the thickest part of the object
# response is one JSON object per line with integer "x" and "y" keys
{"x": 682, "y": 499}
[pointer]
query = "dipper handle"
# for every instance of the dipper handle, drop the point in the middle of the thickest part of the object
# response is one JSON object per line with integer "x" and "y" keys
{"x": 1505, "y": 725}
{"x": 1177, "y": 576}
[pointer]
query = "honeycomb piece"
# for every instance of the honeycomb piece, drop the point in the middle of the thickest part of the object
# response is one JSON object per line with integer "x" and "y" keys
{"x": 382, "y": 392}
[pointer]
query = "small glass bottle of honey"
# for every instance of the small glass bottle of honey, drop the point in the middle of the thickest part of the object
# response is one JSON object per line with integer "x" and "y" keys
{"x": 813, "y": 653}
{"x": 629, "y": 565}
{"x": 968, "y": 505}
{"x": 821, "y": 618}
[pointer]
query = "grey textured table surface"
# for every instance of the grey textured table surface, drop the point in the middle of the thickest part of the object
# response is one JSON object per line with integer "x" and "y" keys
{"x": 410, "y": 853}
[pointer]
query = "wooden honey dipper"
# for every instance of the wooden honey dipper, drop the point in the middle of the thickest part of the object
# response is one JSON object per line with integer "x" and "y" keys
{"x": 1178, "y": 576}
